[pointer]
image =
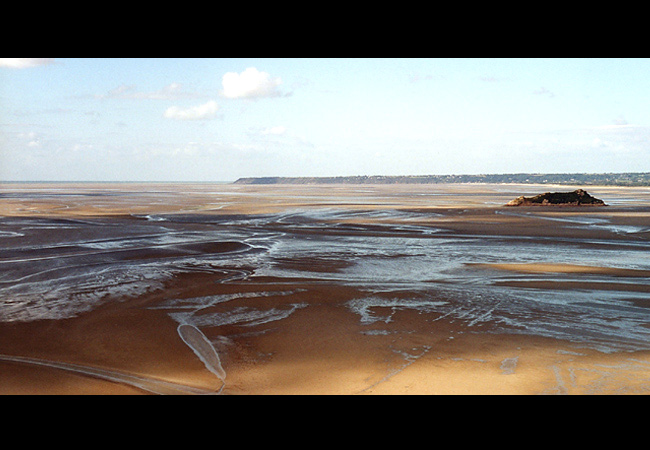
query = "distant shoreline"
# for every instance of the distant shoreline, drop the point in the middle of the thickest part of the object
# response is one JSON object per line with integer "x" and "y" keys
{"x": 638, "y": 179}
{"x": 587, "y": 179}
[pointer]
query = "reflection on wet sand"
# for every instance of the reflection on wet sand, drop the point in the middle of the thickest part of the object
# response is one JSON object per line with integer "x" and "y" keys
{"x": 322, "y": 289}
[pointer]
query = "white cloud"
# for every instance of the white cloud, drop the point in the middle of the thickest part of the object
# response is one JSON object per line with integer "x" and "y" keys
{"x": 24, "y": 63}
{"x": 251, "y": 83}
{"x": 279, "y": 130}
{"x": 199, "y": 112}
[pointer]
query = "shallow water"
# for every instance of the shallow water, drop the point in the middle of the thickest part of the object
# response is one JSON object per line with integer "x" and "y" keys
{"x": 402, "y": 257}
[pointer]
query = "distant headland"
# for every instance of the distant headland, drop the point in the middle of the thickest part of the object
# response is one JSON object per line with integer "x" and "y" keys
{"x": 583, "y": 179}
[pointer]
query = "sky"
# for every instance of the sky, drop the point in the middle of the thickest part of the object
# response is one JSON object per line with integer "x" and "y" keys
{"x": 214, "y": 119}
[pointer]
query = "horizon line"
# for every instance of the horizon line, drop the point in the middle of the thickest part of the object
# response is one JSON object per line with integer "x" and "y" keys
{"x": 328, "y": 176}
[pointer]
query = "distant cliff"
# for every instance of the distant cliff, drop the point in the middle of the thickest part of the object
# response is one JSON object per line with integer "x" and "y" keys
{"x": 582, "y": 179}
{"x": 575, "y": 198}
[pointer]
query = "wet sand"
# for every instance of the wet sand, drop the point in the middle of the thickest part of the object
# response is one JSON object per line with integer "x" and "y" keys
{"x": 400, "y": 289}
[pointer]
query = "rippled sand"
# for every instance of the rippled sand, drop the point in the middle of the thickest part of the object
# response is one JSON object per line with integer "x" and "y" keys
{"x": 391, "y": 289}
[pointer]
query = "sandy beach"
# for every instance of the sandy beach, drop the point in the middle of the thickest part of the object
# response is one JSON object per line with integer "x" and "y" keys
{"x": 327, "y": 290}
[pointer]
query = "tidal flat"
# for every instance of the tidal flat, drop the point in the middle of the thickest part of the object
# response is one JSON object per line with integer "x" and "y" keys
{"x": 199, "y": 288}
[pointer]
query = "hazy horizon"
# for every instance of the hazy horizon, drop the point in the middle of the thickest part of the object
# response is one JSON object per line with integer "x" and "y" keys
{"x": 62, "y": 181}
{"x": 218, "y": 120}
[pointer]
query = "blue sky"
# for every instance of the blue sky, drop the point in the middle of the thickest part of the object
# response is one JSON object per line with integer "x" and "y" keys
{"x": 221, "y": 119}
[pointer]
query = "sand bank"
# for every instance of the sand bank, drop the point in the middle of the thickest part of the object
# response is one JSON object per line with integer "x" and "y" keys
{"x": 567, "y": 268}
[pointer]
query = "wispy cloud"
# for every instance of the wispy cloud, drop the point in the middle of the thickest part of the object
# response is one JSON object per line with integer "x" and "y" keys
{"x": 492, "y": 79}
{"x": 199, "y": 112}
{"x": 544, "y": 91}
{"x": 417, "y": 78}
{"x": 280, "y": 138}
{"x": 619, "y": 123}
{"x": 278, "y": 130}
{"x": 173, "y": 91}
{"x": 24, "y": 63}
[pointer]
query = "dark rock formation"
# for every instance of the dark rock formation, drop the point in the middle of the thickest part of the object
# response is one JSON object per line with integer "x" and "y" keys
{"x": 575, "y": 198}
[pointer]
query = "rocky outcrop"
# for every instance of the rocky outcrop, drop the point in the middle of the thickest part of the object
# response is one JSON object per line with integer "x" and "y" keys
{"x": 575, "y": 198}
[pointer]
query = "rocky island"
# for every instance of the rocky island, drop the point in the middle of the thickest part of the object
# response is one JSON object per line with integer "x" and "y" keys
{"x": 576, "y": 198}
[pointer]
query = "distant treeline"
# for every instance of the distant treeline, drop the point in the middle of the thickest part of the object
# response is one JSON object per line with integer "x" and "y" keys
{"x": 593, "y": 179}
